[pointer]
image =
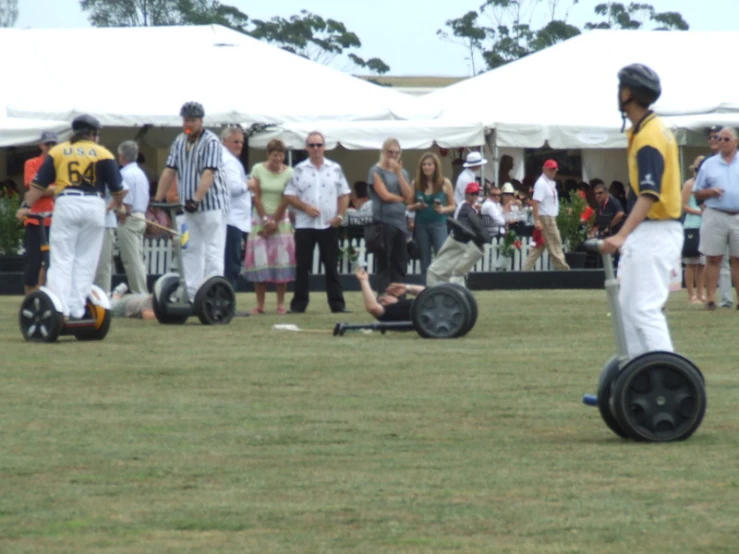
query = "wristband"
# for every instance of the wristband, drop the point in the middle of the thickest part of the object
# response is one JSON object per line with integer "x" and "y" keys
{"x": 25, "y": 205}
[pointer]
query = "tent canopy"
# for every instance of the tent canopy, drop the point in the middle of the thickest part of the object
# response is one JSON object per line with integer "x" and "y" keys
{"x": 236, "y": 78}
{"x": 566, "y": 94}
{"x": 17, "y": 132}
{"x": 369, "y": 135}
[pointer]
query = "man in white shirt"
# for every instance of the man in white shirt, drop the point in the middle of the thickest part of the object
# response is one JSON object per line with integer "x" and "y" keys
{"x": 471, "y": 172}
{"x": 131, "y": 230}
{"x": 546, "y": 209}
{"x": 493, "y": 211}
{"x": 238, "y": 222}
{"x": 319, "y": 194}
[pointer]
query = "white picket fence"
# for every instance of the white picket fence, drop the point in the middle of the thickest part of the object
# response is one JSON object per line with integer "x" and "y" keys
{"x": 158, "y": 258}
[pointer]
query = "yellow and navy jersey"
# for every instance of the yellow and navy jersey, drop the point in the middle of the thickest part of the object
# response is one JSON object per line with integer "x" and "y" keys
{"x": 654, "y": 168}
{"x": 83, "y": 165}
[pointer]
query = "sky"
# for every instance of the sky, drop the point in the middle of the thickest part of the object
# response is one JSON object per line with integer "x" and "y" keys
{"x": 402, "y": 32}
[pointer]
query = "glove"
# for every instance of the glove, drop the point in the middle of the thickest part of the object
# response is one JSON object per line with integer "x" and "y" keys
{"x": 191, "y": 206}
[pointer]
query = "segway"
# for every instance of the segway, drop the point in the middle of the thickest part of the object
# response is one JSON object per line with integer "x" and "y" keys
{"x": 654, "y": 397}
{"x": 215, "y": 300}
{"x": 41, "y": 314}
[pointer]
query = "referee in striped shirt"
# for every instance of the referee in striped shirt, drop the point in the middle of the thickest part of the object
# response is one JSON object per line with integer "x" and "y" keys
{"x": 196, "y": 158}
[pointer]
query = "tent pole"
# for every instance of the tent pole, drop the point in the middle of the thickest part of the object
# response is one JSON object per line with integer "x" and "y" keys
{"x": 496, "y": 160}
{"x": 290, "y": 157}
{"x": 681, "y": 149}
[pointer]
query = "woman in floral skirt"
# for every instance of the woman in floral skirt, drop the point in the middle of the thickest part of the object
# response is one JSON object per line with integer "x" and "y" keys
{"x": 270, "y": 249}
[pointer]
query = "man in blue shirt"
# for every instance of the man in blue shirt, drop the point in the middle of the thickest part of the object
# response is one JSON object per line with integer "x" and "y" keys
{"x": 717, "y": 186}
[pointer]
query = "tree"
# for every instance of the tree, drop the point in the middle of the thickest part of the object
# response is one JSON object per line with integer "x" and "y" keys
{"x": 634, "y": 16}
{"x": 511, "y": 34}
{"x": 313, "y": 37}
{"x": 8, "y": 12}
{"x": 307, "y": 34}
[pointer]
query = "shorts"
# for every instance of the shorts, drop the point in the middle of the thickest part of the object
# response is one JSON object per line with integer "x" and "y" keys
{"x": 697, "y": 260}
{"x": 34, "y": 258}
{"x": 717, "y": 230}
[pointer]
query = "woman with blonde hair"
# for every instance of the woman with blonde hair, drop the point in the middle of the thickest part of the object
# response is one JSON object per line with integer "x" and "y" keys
{"x": 694, "y": 262}
{"x": 434, "y": 197}
{"x": 270, "y": 248}
{"x": 390, "y": 192}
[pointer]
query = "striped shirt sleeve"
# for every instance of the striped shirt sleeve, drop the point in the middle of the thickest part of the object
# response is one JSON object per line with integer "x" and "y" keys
{"x": 212, "y": 155}
{"x": 174, "y": 158}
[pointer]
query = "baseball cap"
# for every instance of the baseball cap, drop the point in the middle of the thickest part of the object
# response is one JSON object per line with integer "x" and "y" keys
{"x": 550, "y": 164}
{"x": 472, "y": 188}
{"x": 713, "y": 129}
{"x": 48, "y": 136}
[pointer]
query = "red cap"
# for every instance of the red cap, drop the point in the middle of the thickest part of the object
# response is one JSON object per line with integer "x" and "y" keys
{"x": 472, "y": 188}
{"x": 550, "y": 164}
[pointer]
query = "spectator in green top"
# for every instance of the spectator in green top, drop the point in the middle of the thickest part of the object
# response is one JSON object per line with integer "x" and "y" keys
{"x": 434, "y": 199}
{"x": 270, "y": 248}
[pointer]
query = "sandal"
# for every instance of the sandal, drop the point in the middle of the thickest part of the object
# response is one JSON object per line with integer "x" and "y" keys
{"x": 696, "y": 300}
{"x": 256, "y": 311}
{"x": 281, "y": 310}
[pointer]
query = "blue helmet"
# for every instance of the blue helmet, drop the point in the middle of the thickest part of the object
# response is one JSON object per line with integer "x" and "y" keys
{"x": 642, "y": 81}
{"x": 192, "y": 109}
{"x": 85, "y": 122}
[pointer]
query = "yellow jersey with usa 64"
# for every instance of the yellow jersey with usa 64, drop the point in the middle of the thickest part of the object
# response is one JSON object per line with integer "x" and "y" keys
{"x": 654, "y": 168}
{"x": 83, "y": 165}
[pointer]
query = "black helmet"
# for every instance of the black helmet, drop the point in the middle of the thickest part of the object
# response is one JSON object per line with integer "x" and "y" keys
{"x": 85, "y": 122}
{"x": 192, "y": 109}
{"x": 642, "y": 81}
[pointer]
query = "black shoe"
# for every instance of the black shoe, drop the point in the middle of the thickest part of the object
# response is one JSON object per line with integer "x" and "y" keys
{"x": 341, "y": 311}
{"x": 711, "y": 306}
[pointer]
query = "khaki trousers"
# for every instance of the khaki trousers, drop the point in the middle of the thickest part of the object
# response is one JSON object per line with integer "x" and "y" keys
{"x": 552, "y": 242}
{"x": 131, "y": 244}
{"x": 453, "y": 262}
{"x": 104, "y": 272}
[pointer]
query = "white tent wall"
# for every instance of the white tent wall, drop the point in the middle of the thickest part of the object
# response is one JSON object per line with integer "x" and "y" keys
{"x": 607, "y": 164}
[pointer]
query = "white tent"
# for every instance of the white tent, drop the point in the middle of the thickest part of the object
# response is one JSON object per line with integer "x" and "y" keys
{"x": 566, "y": 95}
{"x": 17, "y": 132}
{"x": 142, "y": 75}
{"x": 369, "y": 135}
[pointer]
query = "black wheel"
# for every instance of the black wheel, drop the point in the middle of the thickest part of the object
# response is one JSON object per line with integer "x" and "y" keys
{"x": 440, "y": 312}
{"x": 605, "y": 383}
{"x": 39, "y": 319}
{"x": 473, "y": 306}
{"x": 164, "y": 292}
{"x": 659, "y": 397}
{"x": 215, "y": 302}
{"x": 102, "y": 319}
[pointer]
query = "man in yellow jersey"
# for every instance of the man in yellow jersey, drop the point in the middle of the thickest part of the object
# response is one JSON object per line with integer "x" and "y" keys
{"x": 651, "y": 238}
{"x": 81, "y": 169}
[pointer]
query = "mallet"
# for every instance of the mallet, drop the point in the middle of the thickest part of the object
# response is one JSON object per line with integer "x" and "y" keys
{"x": 184, "y": 237}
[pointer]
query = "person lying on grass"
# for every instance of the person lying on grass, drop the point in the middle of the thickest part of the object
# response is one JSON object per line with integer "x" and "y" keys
{"x": 388, "y": 306}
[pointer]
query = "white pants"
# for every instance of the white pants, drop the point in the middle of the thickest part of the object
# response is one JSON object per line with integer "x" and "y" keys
{"x": 76, "y": 240}
{"x": 104, "y": 272}
{"x": 203, "y": 256}
{"x": 647, "y": 258}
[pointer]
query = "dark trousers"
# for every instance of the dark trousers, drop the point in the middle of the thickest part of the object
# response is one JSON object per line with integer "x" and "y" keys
{"x": 328, "y": 246}
{"x": 392, "y": 264}
{"x": 234, "y": 255}
{"x": 34, "y": 255}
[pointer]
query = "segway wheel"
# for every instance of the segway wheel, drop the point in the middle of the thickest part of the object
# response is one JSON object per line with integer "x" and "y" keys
{"x": 215, "y": 302}
{"x": 440, "y": 312}
{"x": 39, "y": 319}
{"x": 102, "y": 319}
{"x": 605, "y": 383}
{"x": 659, "y": 397}
{"x": 473, "y": 306}
{"x": 164, "y": 291}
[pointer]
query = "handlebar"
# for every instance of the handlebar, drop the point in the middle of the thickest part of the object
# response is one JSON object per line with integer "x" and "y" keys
{"x": 593, "y": 245}
{"x": 166, "y": 205}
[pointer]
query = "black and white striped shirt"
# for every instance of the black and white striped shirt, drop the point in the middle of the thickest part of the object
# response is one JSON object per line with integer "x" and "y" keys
{"x": 190, "y": 159}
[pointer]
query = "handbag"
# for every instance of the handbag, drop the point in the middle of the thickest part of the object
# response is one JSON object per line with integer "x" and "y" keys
{"x": 374, "y": 237}
{"x": 691, "y": 242}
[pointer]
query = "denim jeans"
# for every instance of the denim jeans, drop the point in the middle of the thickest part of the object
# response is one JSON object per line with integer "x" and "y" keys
{"x": 426, "y": 236}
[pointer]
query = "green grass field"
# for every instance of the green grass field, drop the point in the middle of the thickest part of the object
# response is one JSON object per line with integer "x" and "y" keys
{"x": 244, "y": 439}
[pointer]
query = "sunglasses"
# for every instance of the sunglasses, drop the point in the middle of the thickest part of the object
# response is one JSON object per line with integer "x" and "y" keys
{"x": 713, "y": 137}
{"x": 495, "y": 195}
{"x": 725, "y": 139}
{"x": 473, "y": 194}
{"x": 394, "y": 152}
{"x": 315, "y": 145}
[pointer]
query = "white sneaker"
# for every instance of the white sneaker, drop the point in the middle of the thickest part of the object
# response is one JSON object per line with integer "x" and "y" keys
{"x": 119, "y": 291}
